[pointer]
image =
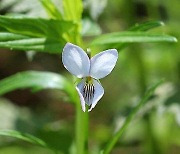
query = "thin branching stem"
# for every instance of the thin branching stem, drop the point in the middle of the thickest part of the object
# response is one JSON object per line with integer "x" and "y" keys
{"x": 119, "y": 133}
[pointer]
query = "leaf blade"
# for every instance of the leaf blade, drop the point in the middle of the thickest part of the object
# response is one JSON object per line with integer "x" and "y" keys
{"x": 51, "y": 9}
{"x": 73, "y": 9}
{"x": 136, "y": 28}
{"x": 140, "y": 28}
{"x": 146, "y": 26}
{"x": 131, "y": 37}
{"x": 36, "y": 27}
{"x": 23, "y": 136}
{"x": 5, "y": 36}
{"x": 38, "y": 44}
{"x": 35, "y": 80}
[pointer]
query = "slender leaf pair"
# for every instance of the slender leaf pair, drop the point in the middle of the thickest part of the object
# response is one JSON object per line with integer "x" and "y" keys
{"x": 50, "y": 35}
{"x": 136, "y": 34}
{"x": 34, "y": 34}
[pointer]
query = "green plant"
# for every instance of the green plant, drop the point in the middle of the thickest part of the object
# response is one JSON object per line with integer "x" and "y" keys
{"x": 49, "y": 36}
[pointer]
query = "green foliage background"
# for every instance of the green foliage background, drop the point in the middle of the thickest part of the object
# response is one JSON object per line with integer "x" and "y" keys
{"x": 38, "y": 95}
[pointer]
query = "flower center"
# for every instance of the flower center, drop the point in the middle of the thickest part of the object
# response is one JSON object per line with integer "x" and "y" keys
{"x": 88, "y": 92}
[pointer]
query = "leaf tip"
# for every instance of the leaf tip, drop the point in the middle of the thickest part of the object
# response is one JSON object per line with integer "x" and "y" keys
{"x": 162, "y": 23}
{"x": 175, "y": 39}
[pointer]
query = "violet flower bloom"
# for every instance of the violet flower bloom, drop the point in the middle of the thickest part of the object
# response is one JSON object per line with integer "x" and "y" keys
{"x": 77, "y": 62}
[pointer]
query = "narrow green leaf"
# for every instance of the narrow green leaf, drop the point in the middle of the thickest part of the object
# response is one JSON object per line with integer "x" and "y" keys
{"x": 137, "y": 28}
{"x": 72, "y": 9}
{"x": 140, "y": 28}
{"x": 146, "y": 26}
{"x": 51, "y": 9}
{"x": 37, "y": 44}
{"x": 5, "y": 36}
{"x": 23, "y": 136}
{"x": 35, "y": 80}
{"x": 36, "y": 27}
{"x": 132, "y": 37}
{"x": 128, "y": 120}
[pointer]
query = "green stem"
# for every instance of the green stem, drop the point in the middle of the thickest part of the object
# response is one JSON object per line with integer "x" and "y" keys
{"x": 119, "y": 133}
{"x": 152, "y": 145}
{"x": 81, "y": 117}
{"x": 81, "y": 129}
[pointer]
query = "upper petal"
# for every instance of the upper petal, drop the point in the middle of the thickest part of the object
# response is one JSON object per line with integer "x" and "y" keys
{"x": 103, "y": 63}
{"x": 75, "y": 60}
{"x": 98, "y": 93}
{"x": 79, "y": 89}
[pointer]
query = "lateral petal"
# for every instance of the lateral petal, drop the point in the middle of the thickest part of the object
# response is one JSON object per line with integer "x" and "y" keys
{"x": 75, "y": 60}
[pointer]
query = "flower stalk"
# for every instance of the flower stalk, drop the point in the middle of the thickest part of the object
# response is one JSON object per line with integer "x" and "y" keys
{"x": 81, "y": 129}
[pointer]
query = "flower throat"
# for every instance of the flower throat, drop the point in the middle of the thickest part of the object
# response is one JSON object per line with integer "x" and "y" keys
{"x": 88, "y": 91}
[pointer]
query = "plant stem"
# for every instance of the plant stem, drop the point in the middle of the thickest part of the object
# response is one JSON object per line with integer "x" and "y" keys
{"x": 81, "y": 117}
{"x": 119, "y": 133}
{"x": 81, "y": 129}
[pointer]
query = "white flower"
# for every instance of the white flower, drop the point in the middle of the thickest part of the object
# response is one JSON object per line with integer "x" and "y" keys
{"x": 77, "y": 62}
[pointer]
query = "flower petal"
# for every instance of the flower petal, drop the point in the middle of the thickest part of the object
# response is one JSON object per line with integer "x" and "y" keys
{"x": 79, "y": 89}
{"x": 103, "y": 63}
{"x": 75, "y": 60}
{"x": 98, "y": 93}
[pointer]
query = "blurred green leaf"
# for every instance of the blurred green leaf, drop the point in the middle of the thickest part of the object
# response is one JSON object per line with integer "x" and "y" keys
{"x": 5, "y": 36}
{"x": 90, "y": 28}
{"x": 131, "y": 37}
{"x": 35, "y": 80}
{"x": 37, "y": 44}
{"x": 34, "y": 34}
{"x": 140, "y": 27}
{"x": 146, "y": 26}
{"x": 96, "y": 8}
{"x": 51, "y": 9}
{"x": 36, "y": 27}
{"x": 72, "y": 9}
{"x": 137, "y": 28}
{"x": 23, "y": 136}
{"x": 115, "y": 138}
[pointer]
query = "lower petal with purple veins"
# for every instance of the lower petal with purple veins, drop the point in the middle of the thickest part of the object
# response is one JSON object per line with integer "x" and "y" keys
{"x": 98, "y": 93}
{"x": 90, "y": 93}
